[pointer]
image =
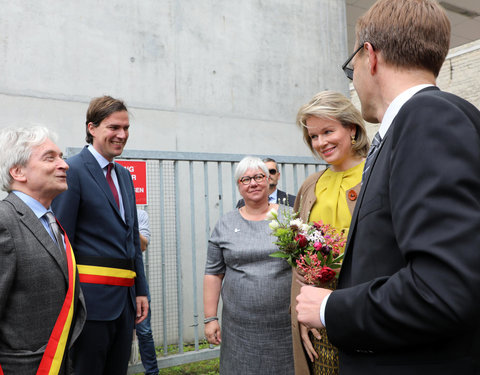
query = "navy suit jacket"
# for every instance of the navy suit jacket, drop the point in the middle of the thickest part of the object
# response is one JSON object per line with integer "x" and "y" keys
{"x": 92, "y": 220}
{"x": 409, "y": 290}
{"x": 281, "y": 195}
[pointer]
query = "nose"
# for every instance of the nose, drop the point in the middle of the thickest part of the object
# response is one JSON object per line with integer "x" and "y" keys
{"x": 122, "y": 133}
{"x": 62, "y": 164}
{"x": 253, "y": 182}
{"x": 318, "y": 143}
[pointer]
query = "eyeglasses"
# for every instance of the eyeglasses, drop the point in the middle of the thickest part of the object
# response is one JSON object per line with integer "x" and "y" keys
{"x": 273, "y": 172}
{"x": 349, "y": 70}
{"x": 246, "y": 180}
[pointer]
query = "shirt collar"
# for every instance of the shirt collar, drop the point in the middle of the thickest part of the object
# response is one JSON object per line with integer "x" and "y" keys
{"x": 34, "y": 205}
{"x": 273, "y": 197}
{"x": 396, "y": 105}
{"x": 98, "y": 157}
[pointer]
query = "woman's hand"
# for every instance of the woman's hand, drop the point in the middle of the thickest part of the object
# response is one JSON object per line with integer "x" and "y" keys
{"x": 299, "y": 277}
{"x": 212, "y": 284}
{"x": 307, "y": 343}
{"x": 212, "y": 332}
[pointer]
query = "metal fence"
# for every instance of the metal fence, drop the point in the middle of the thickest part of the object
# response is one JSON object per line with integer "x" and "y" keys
{"x": 187, "y": 193}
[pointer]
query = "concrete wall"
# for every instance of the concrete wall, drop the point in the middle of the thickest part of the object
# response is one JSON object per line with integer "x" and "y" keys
{"x": 199, "y": 76}
{"x": 204, "y": 76}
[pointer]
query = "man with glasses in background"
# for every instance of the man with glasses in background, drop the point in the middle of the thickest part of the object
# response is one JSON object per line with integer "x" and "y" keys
{"x": 275, "y": 195}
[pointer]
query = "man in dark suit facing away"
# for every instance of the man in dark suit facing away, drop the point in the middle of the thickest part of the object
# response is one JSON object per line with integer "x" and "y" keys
{"x": 275, "y": 195}
{"x": 100, "y": 216}
{"x": 408, "y": 300}
{"x": 42, "y": 310}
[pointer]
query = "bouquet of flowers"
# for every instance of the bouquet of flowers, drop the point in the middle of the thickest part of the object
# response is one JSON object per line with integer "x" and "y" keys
{"x": 313, "y": 248}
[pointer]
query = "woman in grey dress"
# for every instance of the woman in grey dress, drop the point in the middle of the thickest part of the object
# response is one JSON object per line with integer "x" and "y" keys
{"x": 255, "y": 336}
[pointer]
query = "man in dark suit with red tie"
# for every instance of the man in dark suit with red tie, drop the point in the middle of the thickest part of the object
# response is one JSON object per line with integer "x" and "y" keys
{"x": 99, "y": 213}
{"x": 408, "y": 300}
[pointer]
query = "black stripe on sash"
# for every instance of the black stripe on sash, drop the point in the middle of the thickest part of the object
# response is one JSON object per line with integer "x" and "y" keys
{"x": 87, "y": 260}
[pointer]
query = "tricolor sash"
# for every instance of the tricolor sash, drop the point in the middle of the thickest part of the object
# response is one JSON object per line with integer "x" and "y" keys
{"x": 52, "y": 359}
{"x": 106, "y": 271}
{"x": 54, "y": 353}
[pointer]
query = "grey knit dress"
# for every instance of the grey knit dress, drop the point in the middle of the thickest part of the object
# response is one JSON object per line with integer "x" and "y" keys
{"x": 256, "y": 333}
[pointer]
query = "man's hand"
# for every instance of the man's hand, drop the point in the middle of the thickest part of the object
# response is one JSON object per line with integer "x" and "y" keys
{"x": 308, "y": 305}
{"x": 142, "y": 309}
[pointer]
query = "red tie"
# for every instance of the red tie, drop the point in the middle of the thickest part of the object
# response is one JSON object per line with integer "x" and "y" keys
{"x": 111, "y": 184}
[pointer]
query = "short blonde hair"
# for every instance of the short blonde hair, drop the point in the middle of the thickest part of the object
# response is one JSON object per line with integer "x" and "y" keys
{"x": 335, "y": 106}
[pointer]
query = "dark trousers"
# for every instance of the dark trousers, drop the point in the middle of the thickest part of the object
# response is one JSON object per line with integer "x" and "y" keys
{"x": 103, "y": 347}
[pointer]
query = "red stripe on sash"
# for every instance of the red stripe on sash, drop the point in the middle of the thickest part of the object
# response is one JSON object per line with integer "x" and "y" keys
{"x": 54, "y": 353}
{"x": 107, "y": 280}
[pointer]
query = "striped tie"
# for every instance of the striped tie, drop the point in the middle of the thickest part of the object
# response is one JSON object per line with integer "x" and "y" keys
{"x": 371, "y": 153}
{"x": 52, "y": 222}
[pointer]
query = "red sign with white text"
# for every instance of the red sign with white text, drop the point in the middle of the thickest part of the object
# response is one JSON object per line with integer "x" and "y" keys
{"x": 138, "y": 170}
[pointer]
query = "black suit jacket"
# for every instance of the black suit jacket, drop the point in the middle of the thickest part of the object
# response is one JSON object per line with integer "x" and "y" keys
{"x": 281, "y": 196}
{"x": 409, "y": 290}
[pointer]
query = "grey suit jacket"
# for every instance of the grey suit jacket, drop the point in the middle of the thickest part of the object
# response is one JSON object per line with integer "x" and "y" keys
{"x": 33, "y": 285}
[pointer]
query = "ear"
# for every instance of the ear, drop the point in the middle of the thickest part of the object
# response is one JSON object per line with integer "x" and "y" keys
{"x": 353, "y": 130}
{"x": 372, "y": 58}
{"x": 91, "y": 128}
{"x": 18, "y": 174}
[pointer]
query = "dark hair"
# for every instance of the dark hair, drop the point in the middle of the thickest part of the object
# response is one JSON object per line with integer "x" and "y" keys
{"x": 269, "y": 160}
{"x": 99, "y": 109}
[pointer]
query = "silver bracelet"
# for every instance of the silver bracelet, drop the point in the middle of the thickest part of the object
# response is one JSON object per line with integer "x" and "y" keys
{"x": 211, "y": 319}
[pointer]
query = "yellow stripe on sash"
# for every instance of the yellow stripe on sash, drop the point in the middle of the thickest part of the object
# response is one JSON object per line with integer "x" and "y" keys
{"x": 106, "y": 271}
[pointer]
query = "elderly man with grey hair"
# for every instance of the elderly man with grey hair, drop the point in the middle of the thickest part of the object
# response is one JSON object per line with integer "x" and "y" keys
{"x": 42, "y": 310}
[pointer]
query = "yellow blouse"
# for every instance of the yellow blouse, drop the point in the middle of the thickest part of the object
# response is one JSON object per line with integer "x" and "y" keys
{"x": 331, "y": 205}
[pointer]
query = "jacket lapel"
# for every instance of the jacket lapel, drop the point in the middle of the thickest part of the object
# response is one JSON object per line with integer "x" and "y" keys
{"x": 33, "y": 224}
{"x": 353, "y": 224}
{"x": 123, "y": 190}
{"x": 281, "y": 195}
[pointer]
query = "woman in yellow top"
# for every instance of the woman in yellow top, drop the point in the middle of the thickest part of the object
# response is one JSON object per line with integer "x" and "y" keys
{"x": 334, "y": 131}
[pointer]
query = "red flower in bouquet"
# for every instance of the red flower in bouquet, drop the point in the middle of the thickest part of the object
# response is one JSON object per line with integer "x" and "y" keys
{"x": 313, "y": 271}
{"x": 301, "y": 240}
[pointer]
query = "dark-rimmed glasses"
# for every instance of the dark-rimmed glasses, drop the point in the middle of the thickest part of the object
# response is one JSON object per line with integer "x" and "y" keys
{"x": 348, "y": 70}
{"x": 272, "y": 171}
{"x": 246, "y": 180}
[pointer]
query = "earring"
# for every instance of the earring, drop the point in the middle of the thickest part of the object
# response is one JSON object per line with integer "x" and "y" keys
{"x": 353, "y": 139}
